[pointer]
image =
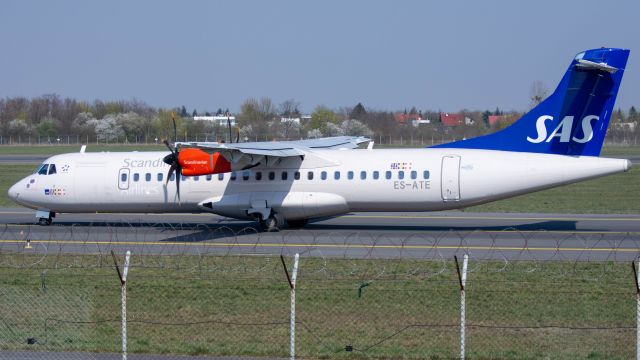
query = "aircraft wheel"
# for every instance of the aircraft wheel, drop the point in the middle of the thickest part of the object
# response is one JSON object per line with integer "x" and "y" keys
{"x": 44, "y": 221}
{"x": 297, "y": 224}
{"x": 270, "y": 224}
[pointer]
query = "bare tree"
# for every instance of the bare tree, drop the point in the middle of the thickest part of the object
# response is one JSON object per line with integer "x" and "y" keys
{"x": 537, "y": 93}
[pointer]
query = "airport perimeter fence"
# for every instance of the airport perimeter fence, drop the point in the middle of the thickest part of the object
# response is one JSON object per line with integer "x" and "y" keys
{"x": 371, "y": 297}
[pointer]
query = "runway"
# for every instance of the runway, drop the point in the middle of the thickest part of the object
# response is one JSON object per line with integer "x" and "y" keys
{"x": 484, "y": 236}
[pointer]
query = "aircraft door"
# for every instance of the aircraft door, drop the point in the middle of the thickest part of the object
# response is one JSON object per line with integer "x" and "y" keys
{"x": 123, "y": 179}
{"x": 450, "y": 178}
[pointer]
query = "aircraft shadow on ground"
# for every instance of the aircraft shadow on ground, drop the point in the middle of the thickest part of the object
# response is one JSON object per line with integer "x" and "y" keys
{"x": 199, "y": 232}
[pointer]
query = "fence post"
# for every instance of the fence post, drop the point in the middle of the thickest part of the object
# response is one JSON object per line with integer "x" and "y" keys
{"x": 462, "y": 278}
{"x": 637, "y": 284}
{"x": 123, "y": 298}
{"x": 292, "y": 348}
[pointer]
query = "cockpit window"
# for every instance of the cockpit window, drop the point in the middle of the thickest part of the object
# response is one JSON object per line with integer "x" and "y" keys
{"x": 42, "y": 170}
{"x": 46, "y": 169}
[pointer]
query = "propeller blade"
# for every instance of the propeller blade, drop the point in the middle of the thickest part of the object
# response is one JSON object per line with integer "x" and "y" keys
{"x": 175, "y": 130}
{"x": 229, "y": 125}
{"x": 171, "y": 170}
{"x": 178, "y": 176}
{"x": 166, "y": 143}
{"x": 238, "y": 136}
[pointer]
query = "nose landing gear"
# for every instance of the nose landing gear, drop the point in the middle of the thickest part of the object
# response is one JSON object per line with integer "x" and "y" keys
{"x": 45, "y": 217}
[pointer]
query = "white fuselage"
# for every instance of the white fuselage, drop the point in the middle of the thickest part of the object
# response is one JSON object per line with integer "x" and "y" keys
{"x": 369, "y": 180}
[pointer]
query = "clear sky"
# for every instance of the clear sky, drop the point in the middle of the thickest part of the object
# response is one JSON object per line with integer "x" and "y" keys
{"x": 389, "y": 55}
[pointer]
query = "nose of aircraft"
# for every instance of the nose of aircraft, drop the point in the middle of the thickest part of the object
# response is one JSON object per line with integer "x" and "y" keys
{"x": 13, "y": 192}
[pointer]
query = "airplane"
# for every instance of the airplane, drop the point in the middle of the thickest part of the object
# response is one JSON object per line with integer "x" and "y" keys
{"x": 556, "y": 143}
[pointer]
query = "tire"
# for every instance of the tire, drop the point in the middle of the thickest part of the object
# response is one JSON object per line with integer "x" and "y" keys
{"x": 269, "y": 224}
{"x": 44, "y": 221}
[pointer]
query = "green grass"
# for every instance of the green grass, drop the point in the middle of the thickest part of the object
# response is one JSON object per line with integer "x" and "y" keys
{"x": 240, "y": 306}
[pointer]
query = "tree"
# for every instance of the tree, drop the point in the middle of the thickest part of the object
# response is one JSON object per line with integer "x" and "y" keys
{"x": 352, "y": 127}
{"x": 83, "y": 125}
{"x": 537, "y": 93}
{"x": 358, "y": 112}
{"x": 194, "y": 114}
{"x": 183, "y": 112}
{"x": 48, "y": 127}
{"x": 18, "y": 127}
{"x": 320, "y": 117}
{"x": 485, "y": 117}
{"x": 289, "y": 108}
{"x": 633, "y": 114}
{"x": 107, "y": 128}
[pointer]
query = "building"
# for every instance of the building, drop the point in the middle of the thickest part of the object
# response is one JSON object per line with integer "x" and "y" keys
{"x": 403, "y": 119}
{"x": 451, "y": 120}
{"x": 219, "y": 120}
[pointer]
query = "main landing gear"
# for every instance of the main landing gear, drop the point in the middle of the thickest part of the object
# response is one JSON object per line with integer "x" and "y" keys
{"x": 45, "y": 217}
{"x": 272, "y": 222}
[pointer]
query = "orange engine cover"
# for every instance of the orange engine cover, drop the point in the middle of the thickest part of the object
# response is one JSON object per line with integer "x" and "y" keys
{"x": 195, "y": 162}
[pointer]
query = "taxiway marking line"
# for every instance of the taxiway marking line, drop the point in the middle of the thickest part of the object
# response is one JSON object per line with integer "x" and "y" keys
{"x": 415, "y": 217}
{"x": 462, "y": 230}
{"x": 354, "y": 246}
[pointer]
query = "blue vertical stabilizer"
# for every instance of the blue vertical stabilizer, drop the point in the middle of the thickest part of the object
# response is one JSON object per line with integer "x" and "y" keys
{"x": 571, "y": 121}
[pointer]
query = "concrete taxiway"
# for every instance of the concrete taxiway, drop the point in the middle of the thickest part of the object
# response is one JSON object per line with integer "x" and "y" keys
{"x": 484, "y": 236}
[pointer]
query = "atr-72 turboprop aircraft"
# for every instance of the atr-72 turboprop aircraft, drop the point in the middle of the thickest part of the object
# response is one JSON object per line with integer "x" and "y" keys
{"x": 556, "y": 143}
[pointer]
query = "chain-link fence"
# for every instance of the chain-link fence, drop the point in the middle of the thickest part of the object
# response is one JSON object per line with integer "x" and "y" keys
{"x": 61, "y": 295}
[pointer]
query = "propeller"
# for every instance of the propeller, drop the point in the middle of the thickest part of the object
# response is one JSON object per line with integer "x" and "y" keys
{"x": 172, "y": 159}
{"x": 229, "y": 126}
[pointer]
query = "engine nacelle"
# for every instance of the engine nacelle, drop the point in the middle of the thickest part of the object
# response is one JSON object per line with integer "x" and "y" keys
{"x": 195, "y": 162}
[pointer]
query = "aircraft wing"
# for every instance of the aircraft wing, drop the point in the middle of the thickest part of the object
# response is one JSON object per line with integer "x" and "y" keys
{"x": 234, "y": 152}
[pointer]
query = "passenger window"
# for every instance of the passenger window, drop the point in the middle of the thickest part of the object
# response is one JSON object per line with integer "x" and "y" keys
{"x": 52, "y": 169}
{"x": 400, "y": 174}
{"x": 363, "y": 175}
{"x": 272, "y": 175}
{"x": 350, "y": 175}
{"x": 43, "y": 169}
{"x": 376, "y": 175}
{"x": 284, "y": 175}
{"x": 387, "y": 175}
{"x": 414, "y": 175}
{"x": 183, "y": 178}
{"x": 196, "y": 178}
{"x": 425, "y": 174}
{"x": 245, "y": 175}
{"x": 220, "y": 177}
{"x": 123, "y": 177}
{"x": 208, "y": 177}
{"x": 310, "y": 175}
{"x": 233, "y": 176}
{"x": 296, "y": 175}
{"x": 172, "y": 177}
{"x": 259, "y": 175}
{"x": 136, "y": 177}
{"x": 160, "y": 177}
{"x": 147, "y": 177}
{"x": 323, "y": 175}
{"x": 336, "y": 175}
